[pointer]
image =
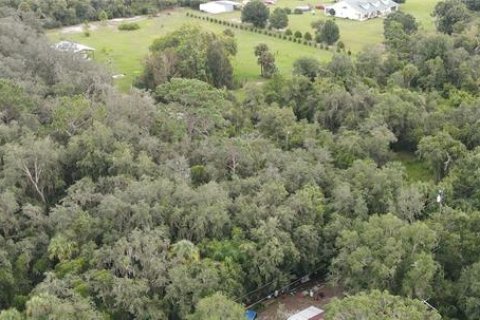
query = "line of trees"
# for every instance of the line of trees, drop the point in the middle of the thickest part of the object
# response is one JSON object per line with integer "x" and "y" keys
{"x": 298, "y": 37}
{"x": 55, "y": 13}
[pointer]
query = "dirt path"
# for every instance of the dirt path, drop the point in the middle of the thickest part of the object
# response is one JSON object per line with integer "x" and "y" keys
{"x": 94, "y": 25}
{"x": 77, "y": 28}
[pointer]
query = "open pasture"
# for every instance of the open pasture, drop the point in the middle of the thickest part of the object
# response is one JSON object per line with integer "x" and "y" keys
{"x": 123, "y": 51}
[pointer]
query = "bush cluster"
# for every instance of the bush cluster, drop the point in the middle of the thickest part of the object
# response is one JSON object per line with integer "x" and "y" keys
{"x": 128, "y": 26}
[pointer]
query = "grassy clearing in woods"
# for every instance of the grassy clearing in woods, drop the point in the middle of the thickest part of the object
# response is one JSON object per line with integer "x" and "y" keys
{"x": 124, "y": 51}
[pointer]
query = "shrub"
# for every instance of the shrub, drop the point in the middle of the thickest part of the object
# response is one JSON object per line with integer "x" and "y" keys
{"x": 199, "y": 175}
{"x": 287, "y": 10}
{"x": 297, "y": 11}
{"x": 307, "y": 36}
{"x": 228, "y": 33}
{"x": 86, "y": 29}
{"x": 297, "y": 34}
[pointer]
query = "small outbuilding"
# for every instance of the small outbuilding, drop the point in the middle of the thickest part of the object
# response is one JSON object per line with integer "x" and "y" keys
{"x": 215, "y": 7}
{"x": 69, "y": 46}
{"x": 303, "y": 8}
{"x": 311, "y": 313}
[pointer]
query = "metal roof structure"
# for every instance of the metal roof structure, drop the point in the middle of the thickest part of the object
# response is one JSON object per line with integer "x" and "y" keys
{"x": 370, "y": 6}
{"x": 308, "y": 314}
{"x": 70, "y": 46}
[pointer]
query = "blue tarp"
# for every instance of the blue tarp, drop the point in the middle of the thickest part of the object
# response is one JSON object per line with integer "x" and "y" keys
{"x": 250, "y": 315}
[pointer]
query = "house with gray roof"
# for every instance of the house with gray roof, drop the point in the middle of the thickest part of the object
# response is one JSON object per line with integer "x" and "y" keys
{"x": 72, "y": 47}
{"x": 361, "y": 9}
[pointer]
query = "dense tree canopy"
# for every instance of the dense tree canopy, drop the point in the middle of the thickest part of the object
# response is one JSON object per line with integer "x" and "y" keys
{"x": 181, "y": 201}
{"x": 57, "y": 13}
{"x": 451, "y": 16}
{"x": 171, "y": 56}
{"x": 377, "y": 305}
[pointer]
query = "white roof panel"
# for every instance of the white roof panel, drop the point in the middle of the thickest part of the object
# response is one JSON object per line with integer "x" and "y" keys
{"x": 306, "y": 314}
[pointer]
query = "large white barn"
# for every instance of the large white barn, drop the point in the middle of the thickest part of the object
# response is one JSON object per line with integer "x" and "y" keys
{"x": 361, "y": 9}
{"x": 215, "y": 7}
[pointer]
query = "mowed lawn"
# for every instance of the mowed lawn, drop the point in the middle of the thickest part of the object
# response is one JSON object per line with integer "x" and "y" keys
{"x": 356, "y": 35}
{"x": 124, "y": 51}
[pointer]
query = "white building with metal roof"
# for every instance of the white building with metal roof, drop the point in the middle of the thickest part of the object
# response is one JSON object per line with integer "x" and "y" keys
{"x": 216, "y": 7}
{"x": 361, "y": 9}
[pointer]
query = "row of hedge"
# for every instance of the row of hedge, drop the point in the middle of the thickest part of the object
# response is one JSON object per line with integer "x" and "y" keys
{"x": 267, "y": 32}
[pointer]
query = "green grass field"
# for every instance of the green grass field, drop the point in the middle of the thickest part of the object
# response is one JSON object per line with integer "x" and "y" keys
{"x": 355, "y": 34}
{"x": 124, "y": 51}
{"x": 416, "y": 169}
